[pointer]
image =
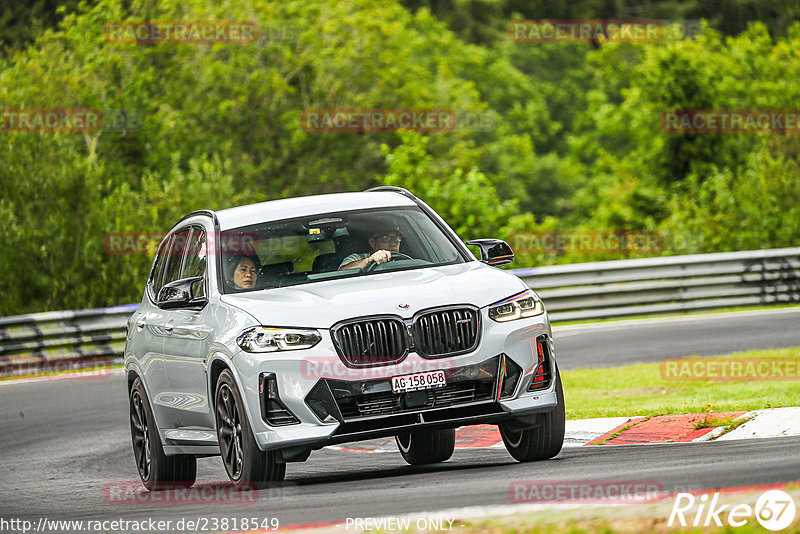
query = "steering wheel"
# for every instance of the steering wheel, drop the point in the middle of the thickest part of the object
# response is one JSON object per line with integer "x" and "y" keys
{"x": 395, "y": 256}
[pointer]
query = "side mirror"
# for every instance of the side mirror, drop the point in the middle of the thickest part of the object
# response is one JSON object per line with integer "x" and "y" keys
{"x": 181, "y": 294}
{"x": 494, "y": 252}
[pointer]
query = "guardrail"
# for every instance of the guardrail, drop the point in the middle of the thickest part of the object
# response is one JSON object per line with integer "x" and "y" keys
{"x": 671, "y": 284}
{"x": 62, "y": 341}
{"x": 69, "y": 340}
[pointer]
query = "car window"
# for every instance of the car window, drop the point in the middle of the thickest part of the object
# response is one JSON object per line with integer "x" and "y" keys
{"x": 175, "y": 256}
{"x": 157, "y": 274}
{"x": 195, "y": 264}
{"x": 311, "y": 249}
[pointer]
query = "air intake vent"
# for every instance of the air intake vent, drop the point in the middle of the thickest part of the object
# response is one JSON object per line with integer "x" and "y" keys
{"x": 371, "y": 342}
{"x": 447, "y": 331}
{"x": 542, "y": 377}
{"x": 273, "y": 411}
{"x": 387, "y": 403}
{"x": 356, "y": 399}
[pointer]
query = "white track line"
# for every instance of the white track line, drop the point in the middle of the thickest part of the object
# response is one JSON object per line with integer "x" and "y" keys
{"x": 670, "y": 319}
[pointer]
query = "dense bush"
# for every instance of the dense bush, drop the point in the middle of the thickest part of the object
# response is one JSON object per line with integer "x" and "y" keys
{"x": 570, "y": 136}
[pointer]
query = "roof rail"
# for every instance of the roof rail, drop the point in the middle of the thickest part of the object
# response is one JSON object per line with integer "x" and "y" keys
{"x": 393, "y": 189}
{"x": 208, "y": 213}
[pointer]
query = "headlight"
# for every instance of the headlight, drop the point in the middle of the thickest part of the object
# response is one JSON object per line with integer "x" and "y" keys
{"x": 263, "y": 339}
{"x": 525, "y": 304}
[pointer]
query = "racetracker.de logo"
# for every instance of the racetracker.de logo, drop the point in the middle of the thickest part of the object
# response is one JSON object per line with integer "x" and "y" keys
{"x": 134, "y": 493}
{"x": 316, "y": 367}
{"x": 588, "y": 242}
{"x": 730, "y": 121}
{"x": 85, "y": 368}
{"x": 145, "y": 243}
{"x": 585, "y": 491}
{"x": 726, "y": 369}
{"x": 377, "y": 120}
{"x": 181, "y": 31}
{"x": 594, "y": 30}
{"x": 51, "y": 120}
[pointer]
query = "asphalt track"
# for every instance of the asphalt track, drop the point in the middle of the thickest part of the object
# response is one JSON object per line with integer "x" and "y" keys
{"x": 63, "y": 442}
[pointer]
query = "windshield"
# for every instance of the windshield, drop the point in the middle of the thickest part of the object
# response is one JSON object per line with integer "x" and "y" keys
{"x": 331, "y": 245}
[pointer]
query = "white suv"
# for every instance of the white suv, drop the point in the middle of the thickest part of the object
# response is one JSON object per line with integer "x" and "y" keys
{"x": 271, "y": 330}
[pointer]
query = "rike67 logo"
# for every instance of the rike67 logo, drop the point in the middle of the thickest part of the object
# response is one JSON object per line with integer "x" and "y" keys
{"x": 774, "y": 510}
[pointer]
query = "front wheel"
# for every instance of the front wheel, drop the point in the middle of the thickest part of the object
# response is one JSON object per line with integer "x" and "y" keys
{"x": 542, "y": 441}
{"x": 430, "y": 447}
{"x": 157, "y": 470}
{"x": 246, "y": 464}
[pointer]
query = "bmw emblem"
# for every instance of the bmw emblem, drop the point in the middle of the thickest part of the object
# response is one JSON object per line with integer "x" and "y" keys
{"x": 403, "y": 306}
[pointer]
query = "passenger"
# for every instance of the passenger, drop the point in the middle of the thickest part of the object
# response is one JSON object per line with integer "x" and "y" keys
{"x": 241, "y": 272}
{"x": 384, "y": 242}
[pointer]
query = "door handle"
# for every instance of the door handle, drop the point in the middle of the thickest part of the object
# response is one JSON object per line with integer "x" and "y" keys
{"x": 169, "y": 327}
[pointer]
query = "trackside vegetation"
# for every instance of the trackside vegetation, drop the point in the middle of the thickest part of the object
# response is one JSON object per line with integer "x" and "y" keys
{"x": 692, "y": 385}
{"x": 562, "y": 136}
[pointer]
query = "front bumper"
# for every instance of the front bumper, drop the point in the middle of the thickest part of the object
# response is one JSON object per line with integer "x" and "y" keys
{"x": 332, "y": 403}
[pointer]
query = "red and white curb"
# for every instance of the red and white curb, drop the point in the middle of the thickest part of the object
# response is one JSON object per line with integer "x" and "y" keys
{"x": 679, "y": 428}
{"x": 771, "y": 423}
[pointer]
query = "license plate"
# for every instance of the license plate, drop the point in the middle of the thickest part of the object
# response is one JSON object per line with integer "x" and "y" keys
{"x": 417, "y": 381}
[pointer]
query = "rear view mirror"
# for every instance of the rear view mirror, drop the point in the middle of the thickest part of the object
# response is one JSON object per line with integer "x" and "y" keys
{"x": 494, "y": 252}
{"x": 326, "y": 228}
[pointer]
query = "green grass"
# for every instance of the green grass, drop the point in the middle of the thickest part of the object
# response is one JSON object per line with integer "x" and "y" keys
{"x": 632, "y": 518}
{"x": 640, "y": 390}
{"x": 713, "y": 421}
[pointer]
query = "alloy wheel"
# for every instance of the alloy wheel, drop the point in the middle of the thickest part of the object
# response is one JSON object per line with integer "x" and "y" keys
{"x": 230, "y": 432}
{"x": 141, "y": 436}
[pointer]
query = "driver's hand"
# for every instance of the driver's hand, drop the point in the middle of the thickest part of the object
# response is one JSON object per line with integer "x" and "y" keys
{"x": 381, "y": 256}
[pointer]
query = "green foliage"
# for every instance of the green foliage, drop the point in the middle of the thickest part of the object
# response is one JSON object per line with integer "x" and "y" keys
{"x": 467, "y": 200}
{"x": 20, "y": 22}
{"x": 641, "y": 177}
{"x": 219, "y": 126}
{"x": 571, "y": 137}
{"x": 755, "y": 207}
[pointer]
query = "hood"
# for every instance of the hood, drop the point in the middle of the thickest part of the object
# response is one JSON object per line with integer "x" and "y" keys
{"x": 322, "y": 304}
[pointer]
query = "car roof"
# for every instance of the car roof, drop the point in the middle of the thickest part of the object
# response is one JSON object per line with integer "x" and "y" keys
{"x": 287, "y": 208}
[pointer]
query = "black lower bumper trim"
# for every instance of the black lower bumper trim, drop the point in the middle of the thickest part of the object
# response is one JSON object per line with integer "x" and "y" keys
{"x": 485, "y": 413}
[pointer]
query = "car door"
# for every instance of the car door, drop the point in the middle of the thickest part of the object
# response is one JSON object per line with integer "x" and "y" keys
{"x": 187, "y": 343}
{"x": 148, "y": 334}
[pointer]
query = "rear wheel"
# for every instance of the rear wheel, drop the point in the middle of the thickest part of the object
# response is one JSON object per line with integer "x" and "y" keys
{"x": 246, "y": 464}
{"x": 157, "y": 470}
{"x": 420, "y": 448}
{"x": 542, "y": 441}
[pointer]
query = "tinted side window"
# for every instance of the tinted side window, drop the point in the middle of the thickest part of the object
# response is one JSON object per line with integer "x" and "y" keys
{"x": 157, "y": 274}
{"x": 195, "y": 264}
{"x": 175, "y": 255}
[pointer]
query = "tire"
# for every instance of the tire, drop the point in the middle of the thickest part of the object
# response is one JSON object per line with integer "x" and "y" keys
{"x": 246, "y": 464}
{"x": 543, "y": 441}
{"x": 420, "y": 448}
{"x": 157, "y": 470}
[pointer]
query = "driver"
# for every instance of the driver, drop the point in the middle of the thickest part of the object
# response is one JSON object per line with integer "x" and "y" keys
{"x": 384, "y": 242}
{"x": 241, "y": 271}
